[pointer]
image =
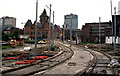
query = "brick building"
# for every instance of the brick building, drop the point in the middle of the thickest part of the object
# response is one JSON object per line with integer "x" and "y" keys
{"x": 42, "y": 28}
{"x": 90, "y": 32}
{"x": 117, "y": 25}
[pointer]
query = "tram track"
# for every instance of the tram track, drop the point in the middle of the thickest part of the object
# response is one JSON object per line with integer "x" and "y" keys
{"x": 99, "y": 65}
{"x": 42, "y": 65}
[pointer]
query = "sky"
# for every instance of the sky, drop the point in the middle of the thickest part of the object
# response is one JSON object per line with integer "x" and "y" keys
{"x": 88, "y": 11}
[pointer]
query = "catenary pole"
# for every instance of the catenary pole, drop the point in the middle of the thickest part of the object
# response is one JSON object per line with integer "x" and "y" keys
{"x": 53, "y": 32}
{"x": 49, "y": 28}
{"x": 111, "y": 21}
{"x": 36, "y": 29}
{"x": 99, "y": 33}
{"x": 115, "y": 29}
{"x": 71, "y": 32}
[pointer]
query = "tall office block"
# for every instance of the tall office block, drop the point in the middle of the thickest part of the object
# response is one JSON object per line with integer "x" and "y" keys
{"x": 119, "y": 8}
{"x": 67, "y": 21}
{"x": 7, "y": 22}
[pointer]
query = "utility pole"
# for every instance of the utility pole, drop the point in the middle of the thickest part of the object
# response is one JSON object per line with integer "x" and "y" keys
{"x": 76, "y": 38}
{"x": 49, "y": 28}
{"x": 23, "y": 34}
{"x": 71, "y": 32}
{"x": 111, "y": 21}
{"x": 63, "y": 32}
{"x": 24, "y": 39}
{"x": 53, "y": 33}
{"x": 99, "y": 33}
{"x": 36, "y": 29}
{"x": 115, "y": 29}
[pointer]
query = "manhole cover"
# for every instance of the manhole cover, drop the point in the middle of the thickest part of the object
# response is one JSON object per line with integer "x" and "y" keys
{"x": 71, "y": 63}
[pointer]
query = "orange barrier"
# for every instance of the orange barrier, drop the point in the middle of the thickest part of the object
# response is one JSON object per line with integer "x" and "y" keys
{"x": 40, "y": 57}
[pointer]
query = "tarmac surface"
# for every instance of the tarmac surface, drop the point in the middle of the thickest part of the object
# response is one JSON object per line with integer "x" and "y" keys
{"x": 74, "y": 65}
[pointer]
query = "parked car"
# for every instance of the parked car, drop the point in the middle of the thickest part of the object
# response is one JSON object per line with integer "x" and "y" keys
{"x": 41, "y": 42}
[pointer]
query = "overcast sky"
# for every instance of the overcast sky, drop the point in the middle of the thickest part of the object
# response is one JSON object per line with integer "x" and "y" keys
{"x": 87, "y": 10}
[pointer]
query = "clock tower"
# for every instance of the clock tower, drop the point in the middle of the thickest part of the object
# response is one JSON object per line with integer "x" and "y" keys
{"x": 43, "y": 17}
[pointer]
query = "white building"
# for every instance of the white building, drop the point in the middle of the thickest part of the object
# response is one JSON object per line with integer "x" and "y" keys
{"x": 67, "y": 21}
{"x": 109, "y": 40}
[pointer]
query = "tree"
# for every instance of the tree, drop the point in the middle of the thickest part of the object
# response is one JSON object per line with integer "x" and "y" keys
{"x": 16, "y": 34}
{"x": 5, "y": 37}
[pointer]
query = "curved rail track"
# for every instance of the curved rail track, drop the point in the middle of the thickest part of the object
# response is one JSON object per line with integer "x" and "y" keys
{"x": 39, "y": 66}
{"x": 99, "y": 67}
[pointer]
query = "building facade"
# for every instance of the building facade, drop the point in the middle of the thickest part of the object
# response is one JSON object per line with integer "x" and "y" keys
{"x": 67, "y": 21}
{"x": 42, "y": 28}
{"x": 117, "y": 24}
{"x": 119, "y": 7}
{"x": 90, "y": 32}
{"x": 7, "y": 22}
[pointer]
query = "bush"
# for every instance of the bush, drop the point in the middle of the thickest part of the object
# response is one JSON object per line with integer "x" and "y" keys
{"x": 5, "y": 47}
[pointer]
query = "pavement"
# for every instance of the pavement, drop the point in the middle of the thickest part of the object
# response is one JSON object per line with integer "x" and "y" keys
{"x": 78, "y": 63}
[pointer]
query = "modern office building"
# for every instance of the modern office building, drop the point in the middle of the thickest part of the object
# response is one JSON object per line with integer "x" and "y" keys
{"x": 119, "y": 7}
{"x": 1, "y": 22}
{"x": 67, "y": 21}
{"x": 7, "y": 22}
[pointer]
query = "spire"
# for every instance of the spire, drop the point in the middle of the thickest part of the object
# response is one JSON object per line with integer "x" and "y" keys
{"x": 44, "y": 12}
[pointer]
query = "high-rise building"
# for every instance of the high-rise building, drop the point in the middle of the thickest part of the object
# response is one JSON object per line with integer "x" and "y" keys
{"x": 67, "y": 21}
{"x": 7, "y": 22}
{"x": 1, "y": 22}
{"x": 119, "y": 7}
